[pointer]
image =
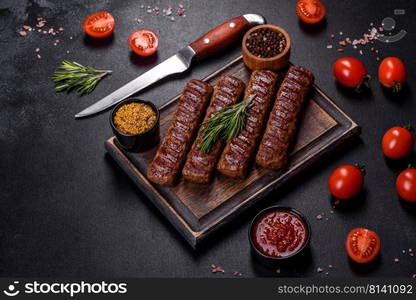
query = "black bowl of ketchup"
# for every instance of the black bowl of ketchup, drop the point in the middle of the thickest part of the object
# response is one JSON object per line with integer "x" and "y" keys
{"x": 279, "y": 234}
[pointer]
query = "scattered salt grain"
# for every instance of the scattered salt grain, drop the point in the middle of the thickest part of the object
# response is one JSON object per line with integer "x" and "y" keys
{"x": 38, "y": 56}
{"x": 396, "y": 260}
{"x": 330, "y": 266}
{"x": 319, "y": 270}
{"x": 329, "y": 46}
{"x": 37, "y": 49}
{"x": 236, "y": 273}
{"x": 140, "y": 21}
{"x": 169, "y": 11}
{"x": 361, "y": 52}
{"x": 319, "y": 217}
{"x": 332, "y": 36}
{"x": 341, "y": 33}
{"x": 278, "y": 271}
{"x": 180, "y": 11}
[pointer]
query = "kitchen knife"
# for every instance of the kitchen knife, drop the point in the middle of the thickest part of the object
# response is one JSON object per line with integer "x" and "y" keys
{"x": 209, "y": 44}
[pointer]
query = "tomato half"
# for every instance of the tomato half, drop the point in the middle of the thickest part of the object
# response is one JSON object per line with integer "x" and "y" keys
{"x": 397, "y": 142}
{"x": 346, "y": 181}
{"x": 362, "y": 245}
{"x": 310, "y": 11}
{"x": 99, "y": 25}
{"x": 351, "y": 72}
{"x": 406, "y": 185}
{"x": 144, "y": 42}
{"x": 392, "y": 73}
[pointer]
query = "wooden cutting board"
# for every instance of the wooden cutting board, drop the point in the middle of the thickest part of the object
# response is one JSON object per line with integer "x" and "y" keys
{"x": 198, "y": 210}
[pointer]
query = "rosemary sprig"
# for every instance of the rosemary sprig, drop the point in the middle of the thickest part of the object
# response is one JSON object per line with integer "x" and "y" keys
{"x": 226, "y": 124}
{"x": 72, "y": 75}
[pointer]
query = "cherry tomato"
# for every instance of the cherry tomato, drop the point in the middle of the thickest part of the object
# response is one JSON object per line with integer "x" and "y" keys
{"x": 346, "y": 181}
{"x": 144, "y": 42}
{"x": 362, "y": 245}
{"x": 392, "y": 73}
{"x": 351, "y": 72}
{"x": 406, "y": 185}
{"x": 99, "y": 25}
{"x": 310, "y": 11}
{"x": 397, "y": 142}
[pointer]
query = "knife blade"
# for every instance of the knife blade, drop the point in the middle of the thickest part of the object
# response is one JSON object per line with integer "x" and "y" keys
{"x": 207, "y": 45}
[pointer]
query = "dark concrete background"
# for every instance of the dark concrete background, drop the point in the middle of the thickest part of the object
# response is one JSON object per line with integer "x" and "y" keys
{"x": 68, "y": 210}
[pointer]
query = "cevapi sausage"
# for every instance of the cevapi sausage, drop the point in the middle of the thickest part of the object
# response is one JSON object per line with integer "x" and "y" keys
{"x": 199, "y": 166}
{"x": 238, "y": 153}
{"x": 281, "y": 127}
{"x": 171, "y": 154}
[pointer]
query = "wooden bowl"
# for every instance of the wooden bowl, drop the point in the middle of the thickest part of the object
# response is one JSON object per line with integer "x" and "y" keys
{"x": 274, "y": 63}
{"x": 137, "y": 142}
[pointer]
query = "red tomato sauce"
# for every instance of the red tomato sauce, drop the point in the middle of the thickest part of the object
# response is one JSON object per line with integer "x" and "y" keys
{"x": 279, "y": 233}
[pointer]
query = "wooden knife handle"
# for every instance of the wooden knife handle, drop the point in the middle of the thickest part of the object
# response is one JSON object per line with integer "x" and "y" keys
{"x": 224, "y": 35}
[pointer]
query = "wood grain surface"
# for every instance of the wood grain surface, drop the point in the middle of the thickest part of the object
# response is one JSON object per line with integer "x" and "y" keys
{"x": 196, "y": 210}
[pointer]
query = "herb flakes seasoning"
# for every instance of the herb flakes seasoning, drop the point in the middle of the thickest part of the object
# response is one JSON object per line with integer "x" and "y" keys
{"x": 266, "y": 43}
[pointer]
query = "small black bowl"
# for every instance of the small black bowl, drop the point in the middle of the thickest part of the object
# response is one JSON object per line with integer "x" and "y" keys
{"x": 137, "y": 142}
{"x": 270, "y": 261}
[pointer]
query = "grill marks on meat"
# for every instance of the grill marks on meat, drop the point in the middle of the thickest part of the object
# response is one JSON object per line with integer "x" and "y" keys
{"x": 237, "y": 155}
{"x": 281, "y": 127}
{"x": 199, "y": 166}
{"x": 171, "y": 155}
